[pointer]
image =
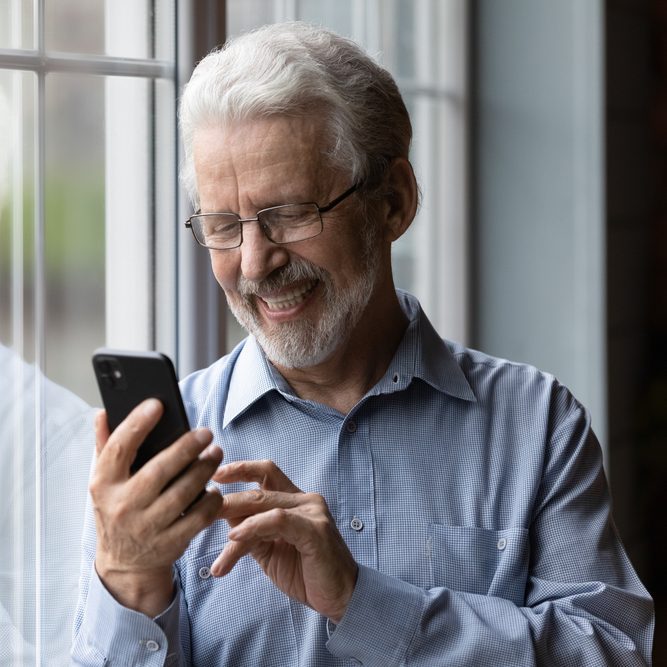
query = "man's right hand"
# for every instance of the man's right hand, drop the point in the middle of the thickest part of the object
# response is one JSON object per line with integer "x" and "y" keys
{"x": 141, "y": 525}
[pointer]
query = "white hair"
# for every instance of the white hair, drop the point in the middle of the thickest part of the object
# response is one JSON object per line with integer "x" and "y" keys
{"x": 301, "y": 70}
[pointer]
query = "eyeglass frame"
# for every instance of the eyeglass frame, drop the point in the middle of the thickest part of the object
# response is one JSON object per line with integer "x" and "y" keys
{"x": 266, "y": 228}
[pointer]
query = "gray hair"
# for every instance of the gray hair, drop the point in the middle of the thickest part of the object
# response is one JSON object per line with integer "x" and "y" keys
{"x": 301, "y": 70}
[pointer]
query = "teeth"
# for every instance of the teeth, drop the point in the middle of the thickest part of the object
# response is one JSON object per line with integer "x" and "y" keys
{"x": 289, "y": 299}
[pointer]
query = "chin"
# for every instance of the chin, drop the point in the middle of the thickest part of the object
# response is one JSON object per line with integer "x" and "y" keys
{"x": 298, "y": 345}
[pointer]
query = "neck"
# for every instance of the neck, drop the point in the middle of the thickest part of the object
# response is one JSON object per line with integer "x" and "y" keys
{"x": 358, "y": 363}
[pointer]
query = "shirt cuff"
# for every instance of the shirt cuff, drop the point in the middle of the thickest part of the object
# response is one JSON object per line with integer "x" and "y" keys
{"x": 124, "y": 636}
{"x": 380, "y": 621}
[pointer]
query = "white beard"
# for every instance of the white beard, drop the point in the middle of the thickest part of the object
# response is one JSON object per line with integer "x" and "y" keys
{"x": 301, "y": 343}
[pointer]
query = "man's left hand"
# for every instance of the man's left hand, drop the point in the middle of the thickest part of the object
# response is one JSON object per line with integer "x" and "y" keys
{"x": 291, "y": 534}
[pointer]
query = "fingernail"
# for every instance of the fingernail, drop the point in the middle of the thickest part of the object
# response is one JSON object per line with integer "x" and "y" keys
{"x": 151, "y": 407}
{"x": 216, "y": 568}
{"x": 203, "y": 436}
{"x": 210, "y": 453}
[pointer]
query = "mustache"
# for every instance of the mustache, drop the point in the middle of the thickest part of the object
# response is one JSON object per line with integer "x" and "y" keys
{"x": 295, "y": 271}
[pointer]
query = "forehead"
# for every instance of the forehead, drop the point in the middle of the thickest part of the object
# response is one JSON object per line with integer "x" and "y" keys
{"x": 269, "y": 157}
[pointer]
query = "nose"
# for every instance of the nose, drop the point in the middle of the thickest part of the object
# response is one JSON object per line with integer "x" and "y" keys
{"x": 259, "y": 255}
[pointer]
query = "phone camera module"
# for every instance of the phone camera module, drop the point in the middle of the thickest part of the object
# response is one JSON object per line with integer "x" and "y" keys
{"x": 111, "y": 373}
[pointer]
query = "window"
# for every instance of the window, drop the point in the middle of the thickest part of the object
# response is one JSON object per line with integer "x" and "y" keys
{"x": 87, "y": 195}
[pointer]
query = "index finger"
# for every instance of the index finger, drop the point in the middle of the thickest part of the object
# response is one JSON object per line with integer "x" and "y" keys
{"x": 120, "y": 449}
{"x": 243, "y": 504}
{"x": 266, "y": 473}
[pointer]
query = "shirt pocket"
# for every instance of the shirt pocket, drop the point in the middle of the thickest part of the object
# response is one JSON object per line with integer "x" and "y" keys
{"x": 476, "y": 560}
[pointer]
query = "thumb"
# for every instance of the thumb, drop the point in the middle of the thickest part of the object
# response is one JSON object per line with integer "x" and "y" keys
{"x": 101, "y": 431}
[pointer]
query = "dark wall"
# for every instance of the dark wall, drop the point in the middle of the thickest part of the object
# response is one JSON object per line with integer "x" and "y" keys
{"x": 636, "y": 144}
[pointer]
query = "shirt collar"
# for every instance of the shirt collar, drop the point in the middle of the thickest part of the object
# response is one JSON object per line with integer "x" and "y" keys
{"x": 421, "y": 354}
{"x": 252, "y": 377}
{"x": 425, "y": 355}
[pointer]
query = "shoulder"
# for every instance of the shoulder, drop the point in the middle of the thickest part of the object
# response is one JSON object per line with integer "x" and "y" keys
{"x": 503, "y": 383}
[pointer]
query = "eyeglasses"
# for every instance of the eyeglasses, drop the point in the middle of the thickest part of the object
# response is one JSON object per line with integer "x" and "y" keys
{"x": 287, "y": 223}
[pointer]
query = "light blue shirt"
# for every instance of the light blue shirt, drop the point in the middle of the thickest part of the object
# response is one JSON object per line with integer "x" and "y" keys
{"x": 471, "y": 493}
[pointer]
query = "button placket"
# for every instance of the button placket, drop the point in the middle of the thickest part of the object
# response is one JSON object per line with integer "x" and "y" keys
{"x": 356, "y": 489}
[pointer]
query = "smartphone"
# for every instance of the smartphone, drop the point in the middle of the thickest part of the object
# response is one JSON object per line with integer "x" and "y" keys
{"x": 125, "y": 379}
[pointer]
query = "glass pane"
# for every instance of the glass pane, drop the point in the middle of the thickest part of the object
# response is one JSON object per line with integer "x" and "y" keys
{"x": 122, "y": 28}
{"x": 164, "y": 29}
{"x": 16, "y": 24}
{"x": 74, "y": 26}
{"x": 337, "y": 16}
{"x": 243, "y": 15}
{"x": 140, "y": 29}
{"x": 36, "y": 594}
{"x": 74, "y": 229}
{"x": 398, "y": 39}
{"x": 17, "y": 105}
{"x": 73, "y": 326}
{"x": 17, "y": 402}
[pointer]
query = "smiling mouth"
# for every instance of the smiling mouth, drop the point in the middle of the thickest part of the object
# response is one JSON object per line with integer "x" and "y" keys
{"x": 290, "y": 298}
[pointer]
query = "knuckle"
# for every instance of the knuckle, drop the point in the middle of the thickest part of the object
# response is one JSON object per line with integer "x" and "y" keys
{"x": 134, "y": 429}
{"x": 269, "y": 468}
{"x": 257, "y": 496}
{"x": 157, "y": 468}
{"x": 280, "y": 516}
{"x": 95, "y": 488}
{"x": 119, "y": 512}
{"x": 316, "y": 499}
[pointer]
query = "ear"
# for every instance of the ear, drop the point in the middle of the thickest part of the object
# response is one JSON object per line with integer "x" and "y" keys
{"x": 402, "y": 197}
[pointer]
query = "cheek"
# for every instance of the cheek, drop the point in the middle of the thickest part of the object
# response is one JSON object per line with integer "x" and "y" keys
{"x": 224, "y": 270}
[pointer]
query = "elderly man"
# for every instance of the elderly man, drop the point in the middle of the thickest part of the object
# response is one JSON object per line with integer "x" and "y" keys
{"x": 389, "y": 498}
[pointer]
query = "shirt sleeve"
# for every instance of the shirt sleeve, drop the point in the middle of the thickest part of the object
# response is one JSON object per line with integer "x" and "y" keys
{"x": 106, "y": 633}
{"x": 583, "y": 603}
{"x": 111, "y": 634}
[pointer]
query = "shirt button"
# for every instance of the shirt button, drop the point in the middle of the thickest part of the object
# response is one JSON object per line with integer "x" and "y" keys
{"x": 396, "y": 378}
{"x": 152, "y": 645}
{"x": 204, "y": 572}
{"x": 351, "y": 427}
{"x": 502, "y": 543}
{"x": 356, "y": 524}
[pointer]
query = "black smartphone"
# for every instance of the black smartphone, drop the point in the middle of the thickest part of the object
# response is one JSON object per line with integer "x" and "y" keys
{"x": 125, "y": 379}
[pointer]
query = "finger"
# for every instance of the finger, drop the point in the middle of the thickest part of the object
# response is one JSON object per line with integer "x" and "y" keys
{"x": 284, "y": 524}
{"x": 201, "y": 515}
{"x": 101, "y": 431}
{"x": 121, "y": 447}
{"x": 148, "y": 482}
{"x": 230, "y": 555}
{"x": 180, "y": 496}
{"x": 266, "y": 473}
{"x": 246, "y": 503}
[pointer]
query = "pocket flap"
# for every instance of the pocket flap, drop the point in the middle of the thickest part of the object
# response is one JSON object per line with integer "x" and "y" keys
{"x": 476, "y": 560}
